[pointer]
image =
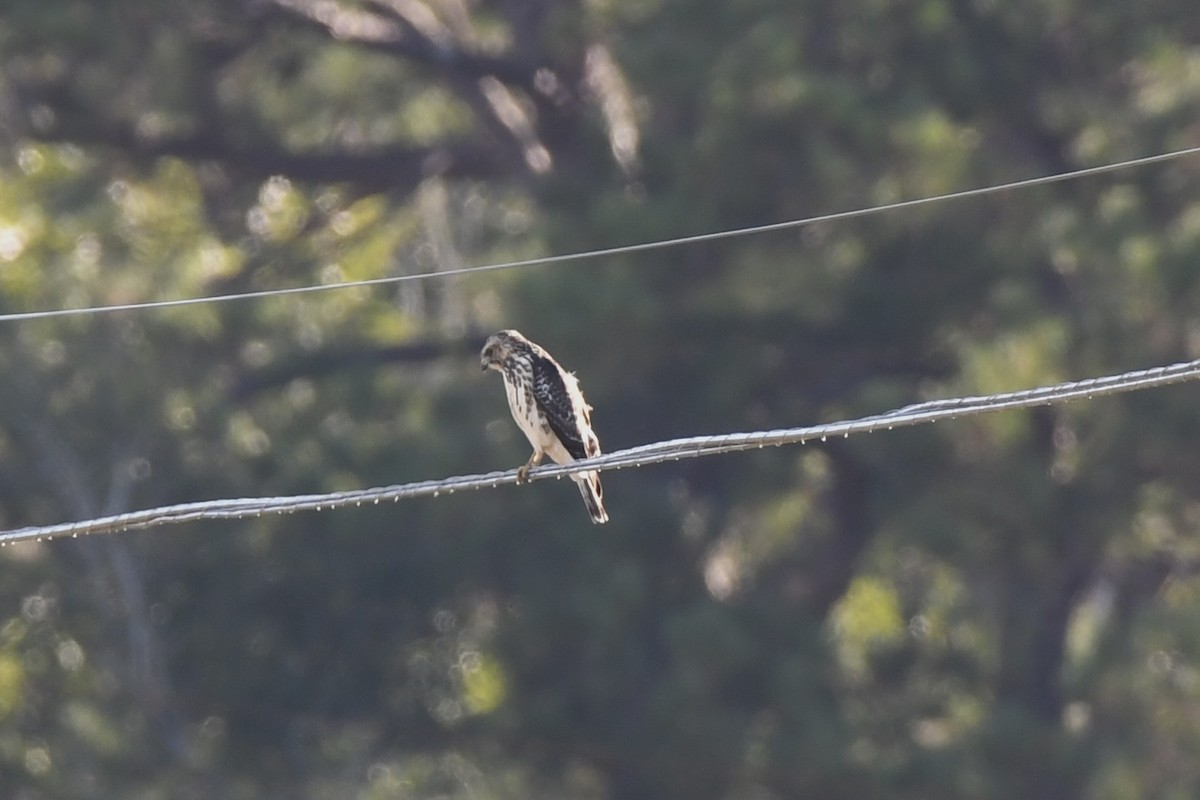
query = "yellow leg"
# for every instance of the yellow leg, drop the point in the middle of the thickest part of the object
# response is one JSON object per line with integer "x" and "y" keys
{"x": 534, "y": 460}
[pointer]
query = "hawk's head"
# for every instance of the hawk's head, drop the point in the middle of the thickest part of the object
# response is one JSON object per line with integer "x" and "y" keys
{"x": 500, "y": 348}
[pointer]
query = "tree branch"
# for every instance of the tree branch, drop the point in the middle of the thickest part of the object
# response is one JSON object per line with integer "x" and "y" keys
{"x": 322, "y": 363}
{"x": 384, "y": 169}
{"x": 65, "y": 472}
{"x": 408, "y": 29}
{"x": 398, "y": 34}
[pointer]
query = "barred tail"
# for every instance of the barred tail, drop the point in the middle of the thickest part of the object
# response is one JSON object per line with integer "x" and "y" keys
{"x": 593, "y": 495}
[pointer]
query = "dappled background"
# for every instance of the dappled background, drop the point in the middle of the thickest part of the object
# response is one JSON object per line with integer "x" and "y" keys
{"x": 1005, "y": 606}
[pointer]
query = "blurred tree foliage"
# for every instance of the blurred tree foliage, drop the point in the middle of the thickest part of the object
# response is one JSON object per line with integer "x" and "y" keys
{"x": 999, "y": 607}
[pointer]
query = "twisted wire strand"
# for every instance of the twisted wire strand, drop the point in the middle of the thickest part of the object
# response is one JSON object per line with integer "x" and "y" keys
{"x": 641, "y": 456}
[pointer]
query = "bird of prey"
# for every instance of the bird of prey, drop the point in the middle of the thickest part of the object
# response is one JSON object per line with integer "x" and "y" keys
{"x": 549, "y": 408}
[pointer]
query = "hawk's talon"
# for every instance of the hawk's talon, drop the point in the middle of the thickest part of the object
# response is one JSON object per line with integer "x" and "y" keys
{"x": 523, "y": 472}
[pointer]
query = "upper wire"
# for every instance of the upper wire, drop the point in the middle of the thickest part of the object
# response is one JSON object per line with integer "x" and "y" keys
{"x": 644, "y": 455}
{"x": 611, "y": 251}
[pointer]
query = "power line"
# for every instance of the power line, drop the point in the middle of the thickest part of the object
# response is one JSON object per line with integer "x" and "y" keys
{"x": 644, "y": 455}
{"x": 614, "y": 251}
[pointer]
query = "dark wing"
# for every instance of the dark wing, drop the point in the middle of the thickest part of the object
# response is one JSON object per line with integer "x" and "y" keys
{"x": 552, "y": 398}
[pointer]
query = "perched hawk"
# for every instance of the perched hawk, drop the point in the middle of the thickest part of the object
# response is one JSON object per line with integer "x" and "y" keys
{"x": 549, "y": 408}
